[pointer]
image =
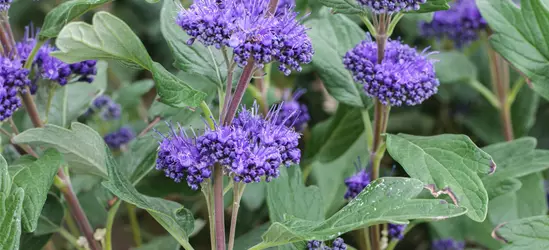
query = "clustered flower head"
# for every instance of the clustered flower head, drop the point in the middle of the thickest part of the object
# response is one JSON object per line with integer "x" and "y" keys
{"x": 337, "y": 244}
{"x": 5, "y": 5}
{"x": 404, "y": 77}
{"x": 117, "y": 139}
{"x": 106, "y": 107}
{"x": 461, "y": 23}
{"x": 391, "y": 6}
{"x": 291, "y": 107}
{"x": 13, "y": 77}
{"x": 448, "y": 244}
{"x": 250, "y": 149}
{"x": 356, "y": 183}
{"x": 396, "y": 231}
{"x": 51, "y": 68}
{"x": 245, "y": 26}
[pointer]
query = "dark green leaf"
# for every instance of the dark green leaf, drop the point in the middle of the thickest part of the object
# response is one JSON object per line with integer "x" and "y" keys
{"x": 161, "y": 243}
{"x": 524, "y": 234}
{"x": 11, "y": 206}
{"x": 51, "y": 216}
{"x": 287, "y": 195}
{"x": 36, "y": 179}
{"x": 454, "y": 67}
{"x": 384, "y": 200}
{"x": 433, "y": 5}
{"x": 521, "y": 37}
{"x": 523, "y": 111}
{"x": 449, "y": 164}
{"x": 251, "y": 238}
{"x": 130, "y": 94}
{"x": 254, "y": 195}
{"x": 109, "y": 38}
{"x": 345, "y": 6}
{"x": 332, "y": 36}
{"x": 64, "y": 13}
{"x": 83, "y": 147}
{"x": 177, "y": 220}
{"x": 140, "y": 158}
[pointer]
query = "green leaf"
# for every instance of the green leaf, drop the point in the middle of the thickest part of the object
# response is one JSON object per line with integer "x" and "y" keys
{"x": 82, "y": 147}
{"x": 449, "y": 164}
{"x": 139, "y": 160}
{"x": 332, "y": 139}
{"x": 352, "y": 6}
{"x": 51, "y": 216}
{"x": 384, "y": 200}
{"x": 454, "y": 67}
{"x": 130, "y": 94}
{"x": 11, "y": 206}
{"x": 523, "y": 111}
{"x": 254, "y": 195}
{"x": 287, "y": 195}
{"x": 251, "y": 238}
{"x": 433, "y": 5}
{"x": 505, "y": 186}
{"x": 63, "y": 14}
{"x": 162, "y": 243}
{"x": 36, "y": 179}
{"x": 521, "y": 37}
{"x": 332, "y": 36}
{"x": 109, "y": 38}
{"x": 177, "y": 220}
{"x": 525, "y": 234}
{"x": 196, "y": 59}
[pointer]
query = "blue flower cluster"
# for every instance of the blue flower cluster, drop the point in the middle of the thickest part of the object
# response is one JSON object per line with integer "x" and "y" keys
{"x": 106, "y": 107}
{"x": 404, "y": 77}
{"x": 292, "y": 108}
{"x": 51, "y": 68}
{"x": 448, "y": 244}
{"x": 245, "y": 26}
{"x": 391, "y": 6}
{"x": 337, "y": 244}
{"x": 461, "y": 23}
{"x": 396, "y": 231}
{"x": 13, "y": 77}
{"x": 5, "y": 5}
{"x": 117, "y": 139}
{"x": 356, "y": 183}
{"x": 250, "y": 149}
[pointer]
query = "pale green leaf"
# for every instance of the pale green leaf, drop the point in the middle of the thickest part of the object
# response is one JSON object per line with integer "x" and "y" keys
{"x": 521, "y": 36}
{"x": 64, "y": 13}
{"x": 450, "y": 164}
{"x": 11, "y": 206}
{"x": 82, "y": 147}
{"x": 524, "y": 234}
{"x": 177, "y": 220}
{"x": 454, "y": 67}
{"x": 130, "y": 94}
{"x": 353, "y": 7}
{"x": 161, "y": 243}
{"x": 384, "y": 200}
{"x": 36, "y": 179}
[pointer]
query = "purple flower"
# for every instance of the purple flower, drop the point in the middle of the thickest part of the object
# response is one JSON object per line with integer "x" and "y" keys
{"x": 27, "y": 43}
{"x": 179, "y": 158}
{"x": 5, "y": 5}
{"x": 461, "y": 23}
{"x": 117, "y": 139}
{"x": 337, "y": 244}
{"x": 13, "y": 77}
{"x": 106, "y": 107}
{"x": 291, "y": 107}
{"x": 448, "y": 244}
{"x": 391, "y": 6}
{"x": 404, "y": 77}
{"x": 245, "y": 26}
{"x": 314, "y": 245}
{"x": 356, "y": 183}
{"x": 396, "y": 231}
{"x": 283, "y": 6}
{"x": 252, "y": 147}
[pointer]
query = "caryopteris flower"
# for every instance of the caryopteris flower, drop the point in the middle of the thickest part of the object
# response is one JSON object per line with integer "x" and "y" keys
{"x": 391, "y": 6}
{"x": 337, "y": 244}
{"x": 448, "y": 244}
{"x": 404, "y": 77}
{"x": 291, "y": 107}
{"x": 179, "y": 158}
{"x": 117, "y": 139}
{"x": 13, "y": 77}
{"x": 253, "y": 147}
{"x": 356, "y": 183}
{"x": 461, "y": 23}
{"x": 106, "y": 107}
{"x": 245, "y": 26}
{"x": 5, "y": 5}
{"x": 396, "y": 231}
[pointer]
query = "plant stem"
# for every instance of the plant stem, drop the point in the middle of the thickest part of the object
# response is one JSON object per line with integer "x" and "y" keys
{"x": 499, "y": 72}
{"x": 208, "y": 195}
{"x": 238, "y": 190}
{"x": 62, "y": 182}
{"x": 110, "y": 222}
{"x": 490, "y": 97}
{"x": 69, "y": 238}
{"x": 256, "y": 93}
{"x": 239, "y": 92}
{"x": 219, "y": 207}
{"x": 134, "y": 223}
